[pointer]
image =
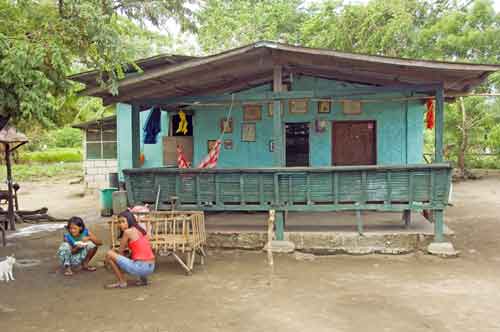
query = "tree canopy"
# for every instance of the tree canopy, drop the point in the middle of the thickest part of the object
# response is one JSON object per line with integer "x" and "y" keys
{"x": 41, "y": 42}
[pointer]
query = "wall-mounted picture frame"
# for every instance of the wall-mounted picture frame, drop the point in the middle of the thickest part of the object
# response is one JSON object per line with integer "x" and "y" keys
{"x": 248, "y": 133}
{"x": 297, "y": 106}
{"x": 210, "y": 144}
{"x": 351, "y": 107}
{"x": 226, "y": 125}
{"x": 324, "y": 106}
{"x": 252, "y": 112}
{"x": 270, "y": 108}
{"x": 321, "y": 125}
{"x": 228, "y": 144}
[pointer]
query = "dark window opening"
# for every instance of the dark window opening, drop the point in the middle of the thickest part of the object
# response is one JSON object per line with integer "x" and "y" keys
{"x": 297, "y": 144}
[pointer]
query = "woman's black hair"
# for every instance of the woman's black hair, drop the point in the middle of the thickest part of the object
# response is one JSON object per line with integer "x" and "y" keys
{"x": 77, "y": 221}
{"x": 129, "y": 216}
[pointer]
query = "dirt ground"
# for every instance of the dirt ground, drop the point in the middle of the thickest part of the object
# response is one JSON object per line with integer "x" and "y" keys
{"x": 238, "y": 291}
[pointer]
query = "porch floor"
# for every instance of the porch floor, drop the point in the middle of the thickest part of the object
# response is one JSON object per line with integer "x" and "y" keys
{"x": 324, "y": 233}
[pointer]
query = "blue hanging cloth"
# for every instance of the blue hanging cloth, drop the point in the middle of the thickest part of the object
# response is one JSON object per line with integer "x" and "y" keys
{"x": 152, "y": 127}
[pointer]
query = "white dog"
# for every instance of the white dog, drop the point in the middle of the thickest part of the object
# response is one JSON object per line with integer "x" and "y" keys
{"x": 6, "y": 268}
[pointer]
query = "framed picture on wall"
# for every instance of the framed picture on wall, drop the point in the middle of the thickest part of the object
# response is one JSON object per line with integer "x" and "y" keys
{"x": 226, "y": 125}
{"x": 252, "y": 112}
{"x": 228, "y": 144}
{"x": 351, "y": 107}
{"x": 270, "y": 108}
{"x": 324, "y": 106}
{"x": 297, "y": 106}
{"x": 210, "y": 144}
{"x": 248, "y": 132}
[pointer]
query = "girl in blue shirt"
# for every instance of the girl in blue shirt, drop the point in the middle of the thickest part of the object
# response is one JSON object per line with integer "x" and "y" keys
{"x": 79, "y": 246}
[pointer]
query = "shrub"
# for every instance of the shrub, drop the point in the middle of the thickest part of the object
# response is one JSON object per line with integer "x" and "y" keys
{"x": 67, "y": 137}
{"x": 53, "y": 156}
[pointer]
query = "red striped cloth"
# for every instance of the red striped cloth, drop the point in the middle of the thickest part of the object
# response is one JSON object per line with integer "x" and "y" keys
{"x": 181, "y": 158}
{"x": 210, "y": 161}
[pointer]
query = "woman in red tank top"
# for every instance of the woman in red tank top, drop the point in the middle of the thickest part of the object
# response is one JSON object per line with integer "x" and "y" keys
{"x": 142, "y": 260}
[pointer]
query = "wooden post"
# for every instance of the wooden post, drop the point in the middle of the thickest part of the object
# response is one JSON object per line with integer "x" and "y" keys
{"x": 10, "y": 214}
{"x": 135, "y": 134}
{"x": 278, "y": 153}
{"x": 438, "y": 226}
{"x": 439, "y": 126}
{"x": 438, "y": 215}
{"x": 280, "y": 225}
{"x": 277, "y": 124}
{"x": 270, "y": 228}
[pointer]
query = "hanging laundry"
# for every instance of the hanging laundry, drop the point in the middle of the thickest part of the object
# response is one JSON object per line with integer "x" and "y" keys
{"x": 153, "y": 126}
{"x": 429, "y": 116}
{"x": 183, "y": 124}
{"x": 210, "y": 161}
{"x": 181, "y": 158}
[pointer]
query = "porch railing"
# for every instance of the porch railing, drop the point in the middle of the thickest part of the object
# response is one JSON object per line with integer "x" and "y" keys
{"x": 380, "y": 188}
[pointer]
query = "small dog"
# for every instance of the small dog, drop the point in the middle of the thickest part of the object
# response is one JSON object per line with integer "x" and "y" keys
{"x": 6, "y": 268}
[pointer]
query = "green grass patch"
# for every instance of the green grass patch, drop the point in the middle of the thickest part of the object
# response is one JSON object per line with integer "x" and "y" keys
{"x": 41, "y": 172}
{"x": 66, "y": 155}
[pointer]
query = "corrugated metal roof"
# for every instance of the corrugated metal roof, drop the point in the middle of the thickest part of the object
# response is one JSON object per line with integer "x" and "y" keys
{"x": 251, "y": 65}
{"x": 108, "y": 120}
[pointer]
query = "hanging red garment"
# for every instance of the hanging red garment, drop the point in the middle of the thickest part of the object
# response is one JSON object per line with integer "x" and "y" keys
{"x": 181, "y": 158}
{"x": 429, "y": 116}
{"x": 210, "y": 161}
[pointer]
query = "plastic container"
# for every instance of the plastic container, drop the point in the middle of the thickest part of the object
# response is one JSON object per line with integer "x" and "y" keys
{"x": 119, "y": 201}
{"x": 107, "y": 201}
{"x": 113, "y": 180}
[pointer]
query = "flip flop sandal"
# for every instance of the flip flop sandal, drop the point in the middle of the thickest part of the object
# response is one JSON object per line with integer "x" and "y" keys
{"x": 68, "y": 273}
{"x": 141, "y": 283}
{"x": 89, "y": 268}
{"x": 116, "y": 285}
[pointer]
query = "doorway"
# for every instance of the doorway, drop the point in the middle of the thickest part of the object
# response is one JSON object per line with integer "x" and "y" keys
{"x": 297, "y": 144}
{"x": 354, "y": 143}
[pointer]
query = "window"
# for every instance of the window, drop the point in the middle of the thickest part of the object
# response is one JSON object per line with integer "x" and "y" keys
{"x": 101, "y": 142}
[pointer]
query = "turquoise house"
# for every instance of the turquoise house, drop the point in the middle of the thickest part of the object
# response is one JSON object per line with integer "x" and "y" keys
{"x": 301, "y": 129}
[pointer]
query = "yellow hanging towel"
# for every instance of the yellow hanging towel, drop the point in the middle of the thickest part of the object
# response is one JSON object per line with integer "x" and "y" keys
{"x": 183, "y": 124}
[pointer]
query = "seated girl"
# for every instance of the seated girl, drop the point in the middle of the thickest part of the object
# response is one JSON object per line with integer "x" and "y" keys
{"x": 142, "y": 260}
{"x": 79, "y": 246}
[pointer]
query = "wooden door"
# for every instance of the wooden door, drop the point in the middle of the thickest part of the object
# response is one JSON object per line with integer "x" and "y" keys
{"x": 354, "y": 143}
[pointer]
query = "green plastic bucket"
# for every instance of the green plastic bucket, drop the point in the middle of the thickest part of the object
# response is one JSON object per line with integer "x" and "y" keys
{"x": 107, "y": 201}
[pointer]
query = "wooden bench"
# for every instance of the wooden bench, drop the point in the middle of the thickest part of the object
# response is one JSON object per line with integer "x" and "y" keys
{"x": 171, "y": 233}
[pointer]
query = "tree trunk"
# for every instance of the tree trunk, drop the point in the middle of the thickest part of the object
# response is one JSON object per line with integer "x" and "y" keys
{"x": 464, "y": 143}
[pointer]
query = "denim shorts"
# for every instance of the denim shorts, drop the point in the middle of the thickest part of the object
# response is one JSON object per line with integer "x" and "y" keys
{"x": 135, "y": 268}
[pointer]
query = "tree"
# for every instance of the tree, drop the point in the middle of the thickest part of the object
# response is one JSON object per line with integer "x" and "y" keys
{"x": 224, "y": 24}
{"x": 41, "y": 41}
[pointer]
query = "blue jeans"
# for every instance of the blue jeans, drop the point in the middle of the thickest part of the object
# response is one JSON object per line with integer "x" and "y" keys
{"x": 135, "y": 268}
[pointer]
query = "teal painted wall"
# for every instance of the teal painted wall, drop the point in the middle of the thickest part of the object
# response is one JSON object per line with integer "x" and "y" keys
{"x": 153, "y": 153}
{"x": 395, "y": 130}
{"x": 124, "y": 137}
{"x": 399, "y": 132}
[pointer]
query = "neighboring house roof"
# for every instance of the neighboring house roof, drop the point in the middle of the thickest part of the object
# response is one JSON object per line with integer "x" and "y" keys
{"x": 9, "y": 134}
{"x": 109, "y": 120}
{"x": 252, "y": 65}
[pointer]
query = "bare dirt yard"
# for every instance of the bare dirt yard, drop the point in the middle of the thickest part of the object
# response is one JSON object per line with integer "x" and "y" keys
{"x": 238, "y": 291}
